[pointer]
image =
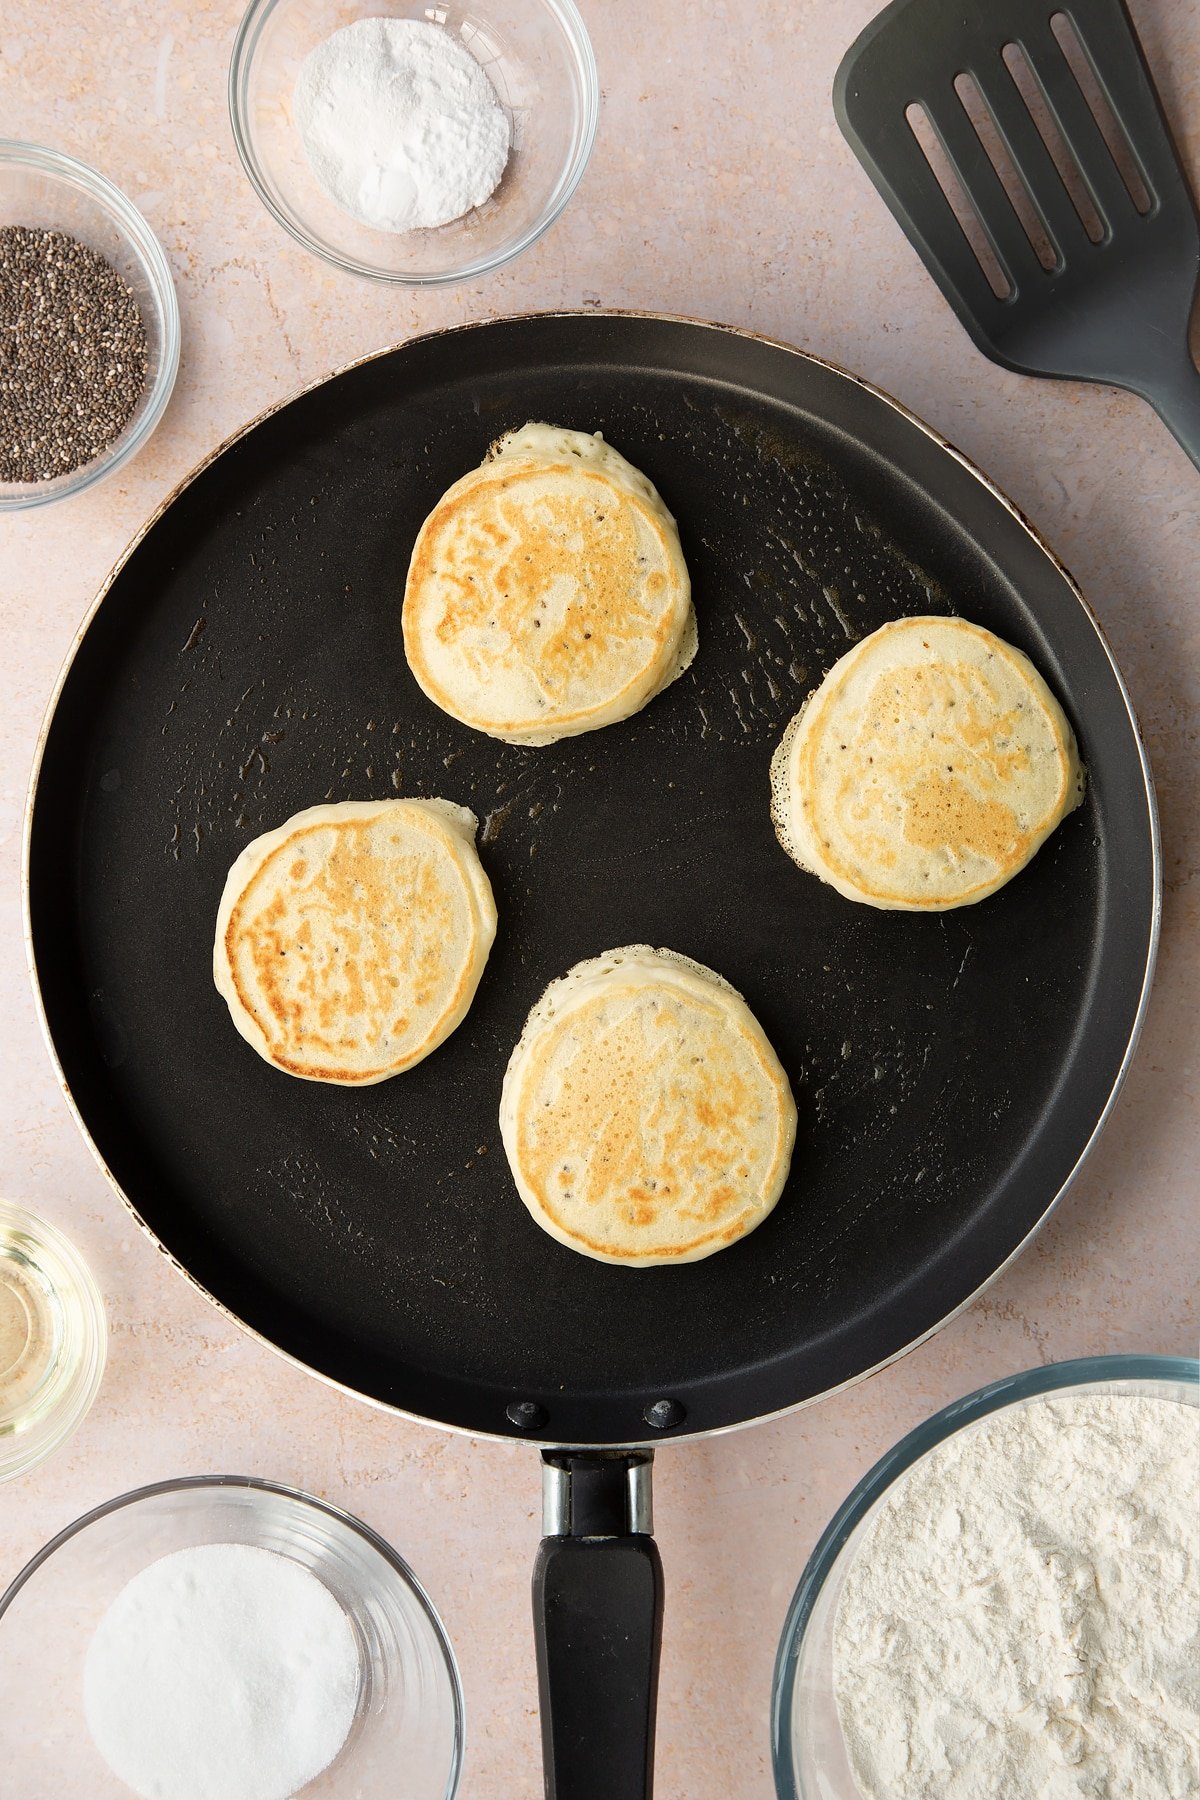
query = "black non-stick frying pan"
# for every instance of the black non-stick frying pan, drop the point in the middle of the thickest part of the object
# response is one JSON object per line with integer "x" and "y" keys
{"x": 951, "y": 1071}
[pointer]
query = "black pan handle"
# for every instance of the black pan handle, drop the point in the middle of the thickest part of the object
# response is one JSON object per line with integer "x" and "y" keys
{"x": 597, "y": 1619}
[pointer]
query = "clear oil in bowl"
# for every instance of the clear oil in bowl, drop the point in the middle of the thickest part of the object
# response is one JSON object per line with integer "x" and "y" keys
{"x": 52, "y": 1339}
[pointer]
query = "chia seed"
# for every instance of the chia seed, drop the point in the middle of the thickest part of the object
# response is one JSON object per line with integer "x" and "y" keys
{"x": 73, "y": 354}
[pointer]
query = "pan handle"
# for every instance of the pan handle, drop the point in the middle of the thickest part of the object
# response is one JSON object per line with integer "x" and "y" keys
{"x": 597, "y": 1619}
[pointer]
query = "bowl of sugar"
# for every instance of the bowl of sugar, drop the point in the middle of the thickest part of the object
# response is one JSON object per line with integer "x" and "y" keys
{"x": 1007, "y": 1602}
{"x": 413, "y": 144}
{"x": 224, "y": 1635}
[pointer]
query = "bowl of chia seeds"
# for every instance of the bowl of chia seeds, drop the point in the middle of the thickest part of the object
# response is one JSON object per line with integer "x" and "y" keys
{"x": 89, "y": 327}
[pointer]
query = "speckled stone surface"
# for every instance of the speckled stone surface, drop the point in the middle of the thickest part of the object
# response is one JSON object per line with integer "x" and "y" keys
{"x": 720, "y": 187}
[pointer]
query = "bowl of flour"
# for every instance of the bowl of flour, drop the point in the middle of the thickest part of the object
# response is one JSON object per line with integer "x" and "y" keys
{"x": 414, "y": 145}
{"x": 1009, "y": 1602}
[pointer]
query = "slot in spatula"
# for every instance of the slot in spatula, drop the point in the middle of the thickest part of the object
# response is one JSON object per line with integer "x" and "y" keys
{"x": 1066, "y": 236}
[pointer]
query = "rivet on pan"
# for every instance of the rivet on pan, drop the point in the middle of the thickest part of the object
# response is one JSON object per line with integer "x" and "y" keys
{"x": 663, "y": 1414}
{"x": 526, "y": 1415}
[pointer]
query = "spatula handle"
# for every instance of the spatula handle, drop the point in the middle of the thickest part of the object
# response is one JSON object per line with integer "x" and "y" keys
{"x": 1175, "y": 397}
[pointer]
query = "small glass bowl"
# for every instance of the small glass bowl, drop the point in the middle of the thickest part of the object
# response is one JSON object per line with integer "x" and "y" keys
{"x": 53, "y": 1339}
{"x": 408, "y": 1732}
{"x": 809, "y": 1753}
{"x": 48, "y": 190}
{"x": 540, "y": 61}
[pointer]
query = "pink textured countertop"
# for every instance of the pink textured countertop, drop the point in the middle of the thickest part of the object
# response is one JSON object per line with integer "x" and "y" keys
{"x": 720, "y": 187}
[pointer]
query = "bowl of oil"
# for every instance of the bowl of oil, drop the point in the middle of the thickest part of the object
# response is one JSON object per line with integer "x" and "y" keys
{"x": 53, "y": 1339}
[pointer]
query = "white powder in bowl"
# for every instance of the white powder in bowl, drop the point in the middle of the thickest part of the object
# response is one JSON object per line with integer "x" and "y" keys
{"x": 1021, "y": 1620}
{"x": 222, "y": 1672}
{"x": 401, "y": 125}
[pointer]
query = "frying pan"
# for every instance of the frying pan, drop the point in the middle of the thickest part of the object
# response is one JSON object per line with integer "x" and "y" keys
{"x": 951, "y": 1071}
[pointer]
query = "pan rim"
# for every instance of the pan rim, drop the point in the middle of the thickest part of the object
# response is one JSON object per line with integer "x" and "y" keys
{"x": 957, "y": 455}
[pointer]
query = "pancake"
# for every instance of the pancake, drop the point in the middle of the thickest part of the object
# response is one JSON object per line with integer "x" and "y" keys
{"x": 645, "y": 1116}
{"x": 351, "y": 939}
{"x": 926, "y": 770}
{"x": 547, "y": 593}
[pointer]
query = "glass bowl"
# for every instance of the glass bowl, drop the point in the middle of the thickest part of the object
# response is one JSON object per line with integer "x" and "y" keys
{"x": 540, "y": 61}
{"x": 408, "y": 1732}
{"x": 809, "y": 1754}
{"x": 48, "y": 190}
{"x": 53, "y": 1338}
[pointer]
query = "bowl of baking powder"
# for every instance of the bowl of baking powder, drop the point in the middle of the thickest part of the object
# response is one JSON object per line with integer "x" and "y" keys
{"x": 221, "y": 1637}
{"x": 412, "y": 144}
{"x": 1009, "y": 1602}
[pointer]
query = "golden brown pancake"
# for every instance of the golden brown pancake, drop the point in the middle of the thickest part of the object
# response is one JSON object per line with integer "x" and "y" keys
{"x": 351, "y": 939}
{"x": 547, "y": 593}
{"x": 645, "y": 1116}
{"x": 926, "y": 770}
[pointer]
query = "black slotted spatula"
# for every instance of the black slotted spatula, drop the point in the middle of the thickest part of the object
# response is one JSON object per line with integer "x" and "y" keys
{"x": 1081, "y": 210}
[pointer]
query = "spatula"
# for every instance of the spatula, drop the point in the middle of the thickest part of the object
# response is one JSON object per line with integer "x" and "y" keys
{"x": 1045, "y": 117}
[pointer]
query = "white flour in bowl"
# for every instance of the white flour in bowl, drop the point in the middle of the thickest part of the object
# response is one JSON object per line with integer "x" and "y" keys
{"x": 1021, "y": 1620}
{"x": 402, "y": 126}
